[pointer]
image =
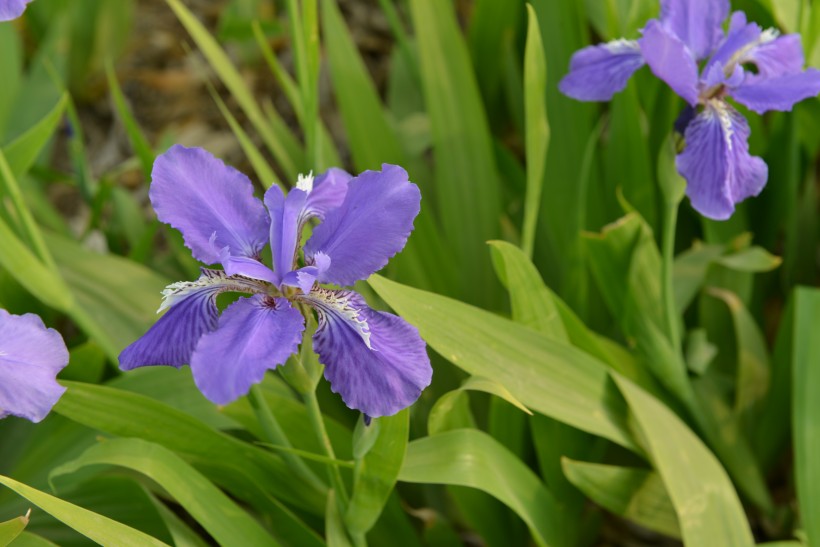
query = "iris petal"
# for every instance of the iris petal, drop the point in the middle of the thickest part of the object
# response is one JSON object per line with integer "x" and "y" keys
{"x": 376, "y": 361}
{"x": 779, "y": 93}
{"x": 329, "y": 190}
{"x": 254, "y": 334}
{"x": 211, "y": 203}
{"x": 311, "y": 198}
{"x": 772, "y": 55}
{"x": 742, "y": 38}
{"x": 12, "y": 9}
{"x": 696, "y": 22}
{"x": 716, "y": 163}
{"x": 368, "y": 228}
{"x": 247, "y": 267}
{"x": 778, "y": 57}
{"x": 285, "y": 213}
{"x": 670, "y": 60}
{"x": 192, "y": 314}
{"x": 31, "y": 355}
{"x": 304, "y": 278}
{"x": 596, "y": 73}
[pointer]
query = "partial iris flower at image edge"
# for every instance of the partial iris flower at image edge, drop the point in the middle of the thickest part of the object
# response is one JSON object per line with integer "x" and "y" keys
{"x": 31, "y": 356}
{"x": 760, "y": 69}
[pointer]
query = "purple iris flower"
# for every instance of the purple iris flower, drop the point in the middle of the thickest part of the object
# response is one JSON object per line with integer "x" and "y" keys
{"x": 758, "y": 68}
{"x": 31, "y": 355}
{"x": 376, "y": 361}
{"x": 12, "y": 9}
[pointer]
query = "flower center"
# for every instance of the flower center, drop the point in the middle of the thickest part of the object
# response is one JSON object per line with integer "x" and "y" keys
{"x": 716, "y": 92}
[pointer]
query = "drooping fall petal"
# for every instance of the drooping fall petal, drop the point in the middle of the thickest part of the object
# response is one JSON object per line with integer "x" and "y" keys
{"x": 716, "y": 163}
{"x": 376, "y": 361}
{"x": 254, "y": 335}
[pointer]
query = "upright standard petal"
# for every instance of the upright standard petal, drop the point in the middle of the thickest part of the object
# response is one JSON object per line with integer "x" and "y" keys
{"x": 376, "y": 361}
{"x": 596, "y": 73}
{"x": 254, "y": 334}
{"x": 716, "y": 163}
{"x": 742, "y": 38}
{"x": 211, "y": 203}
{"x": 778, "y": 57}
{"x": 285, "y": 227}
{"x": 371, "y": 226}
{"x": 192, "y": 314}
{"x": 12, "y": 9}
{"x": 747, "y": 44}
{"x": 670, "y": 60}
{"x": 696, "y": 22}
{"x": 328, "y": 192}
{"x": 780, "y": 93}
{"x": 31, "y": 355}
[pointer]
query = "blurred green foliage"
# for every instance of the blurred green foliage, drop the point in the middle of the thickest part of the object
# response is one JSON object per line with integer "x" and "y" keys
{"x": 574, "y": 359}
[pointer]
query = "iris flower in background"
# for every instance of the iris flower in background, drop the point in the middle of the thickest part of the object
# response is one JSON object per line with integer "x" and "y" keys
{"x": 758, "y": 68}
{"x": 12, "y": 9}
{"x": 31, "y": 355}
{"x": 376, "y": 361}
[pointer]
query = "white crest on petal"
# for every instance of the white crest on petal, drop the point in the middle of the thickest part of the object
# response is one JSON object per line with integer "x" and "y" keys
{"x": 305, "y": 182}
{"x": 769, "y": 35}
{"x": 622, "y": 45}
{"x": 742, "y": 55}
{"x": 720, "y": 109}
{"x": 215, "y": 280}
{"x": 339, "y": 303}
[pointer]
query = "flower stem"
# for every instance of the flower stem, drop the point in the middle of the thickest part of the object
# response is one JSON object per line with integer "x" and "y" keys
{"x": 315, "y": 414}
{"x": 668, "y": 257}
{"x": 276, "y": 436}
